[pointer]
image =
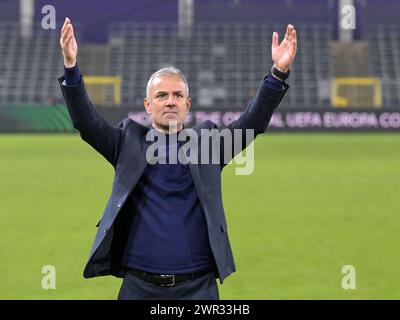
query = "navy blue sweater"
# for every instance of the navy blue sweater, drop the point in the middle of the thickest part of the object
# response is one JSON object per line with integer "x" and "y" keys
{"x": 168, "y": 233}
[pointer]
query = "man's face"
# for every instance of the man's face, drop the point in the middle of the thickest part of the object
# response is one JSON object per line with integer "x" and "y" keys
{"x": 168, "y": 102}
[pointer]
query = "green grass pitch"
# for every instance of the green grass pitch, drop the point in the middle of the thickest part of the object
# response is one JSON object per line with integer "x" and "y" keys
{"x": 315, "y": 203}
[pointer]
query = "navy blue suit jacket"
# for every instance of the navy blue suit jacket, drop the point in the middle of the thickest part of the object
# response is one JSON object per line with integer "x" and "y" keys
{"x": 124, "y": 146}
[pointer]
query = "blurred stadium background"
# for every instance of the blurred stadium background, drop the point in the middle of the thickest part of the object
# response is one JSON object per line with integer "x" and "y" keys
{"x": 329, "y": 199}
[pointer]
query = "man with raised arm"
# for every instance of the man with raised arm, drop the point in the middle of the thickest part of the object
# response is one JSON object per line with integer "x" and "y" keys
{"x": 164, "y": 229}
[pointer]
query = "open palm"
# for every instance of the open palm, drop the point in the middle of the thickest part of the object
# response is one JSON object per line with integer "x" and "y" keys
{"x": 284, "y": 53}
{"x": 68, "y": 44}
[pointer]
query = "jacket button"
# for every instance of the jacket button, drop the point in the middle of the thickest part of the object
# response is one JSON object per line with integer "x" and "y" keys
{"x": 105, "y": 230}
{"x": 119, "y": 205}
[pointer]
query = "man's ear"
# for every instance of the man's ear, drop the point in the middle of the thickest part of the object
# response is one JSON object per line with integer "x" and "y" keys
{"x": 147, "y": 105}
{"x": 189, "y": 104}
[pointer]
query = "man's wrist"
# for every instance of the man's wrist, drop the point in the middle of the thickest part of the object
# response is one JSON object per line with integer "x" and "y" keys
{"x": 279, "y": 74}
{"x": 276, "y": 77}
{"x": 281, "y": 69}
{"x": 72, "y": 75}
{"x": 69, "y": 64}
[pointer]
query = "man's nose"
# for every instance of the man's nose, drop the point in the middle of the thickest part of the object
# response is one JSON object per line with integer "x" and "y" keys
{"x": 171, "y": 100}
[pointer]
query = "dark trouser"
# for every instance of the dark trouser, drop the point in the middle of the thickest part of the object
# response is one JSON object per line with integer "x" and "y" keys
{"x": 201, "y": 288}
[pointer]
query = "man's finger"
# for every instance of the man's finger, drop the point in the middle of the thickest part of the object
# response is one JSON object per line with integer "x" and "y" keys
{"x": 66, "y": 33}
{"x": 68, "y": 40}
{"x": 294, "y": 41}
{"x": 293, "y": 45}
{"x": 72, "y": 28}
{"x": 63, "y": 26}
{"x": 66, "y": 22}
{"x": 274, "y": 39}
{"x": 66, "y": 26}
{"x": 289, "y": 29}
{"x": 64, "y": 36}
{"x": 65, "y": 40}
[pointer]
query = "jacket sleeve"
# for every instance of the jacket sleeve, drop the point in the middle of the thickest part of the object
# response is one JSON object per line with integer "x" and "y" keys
{"x": 255, "y": 118}
{"x": 93, "y": 128}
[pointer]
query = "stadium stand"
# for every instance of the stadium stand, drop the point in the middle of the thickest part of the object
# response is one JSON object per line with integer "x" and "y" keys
{"x": 28, "y": 66}
{"x": 224, "y": 63}
{"x": 224, "y": 59}
{"x": 384, "y": 54}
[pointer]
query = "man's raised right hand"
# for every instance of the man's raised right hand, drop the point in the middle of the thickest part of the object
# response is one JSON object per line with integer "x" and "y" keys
{"x": 68, "y": 44}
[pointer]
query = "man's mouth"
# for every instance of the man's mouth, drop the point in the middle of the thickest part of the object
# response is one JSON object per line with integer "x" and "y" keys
{"x": 169, "y": 113}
